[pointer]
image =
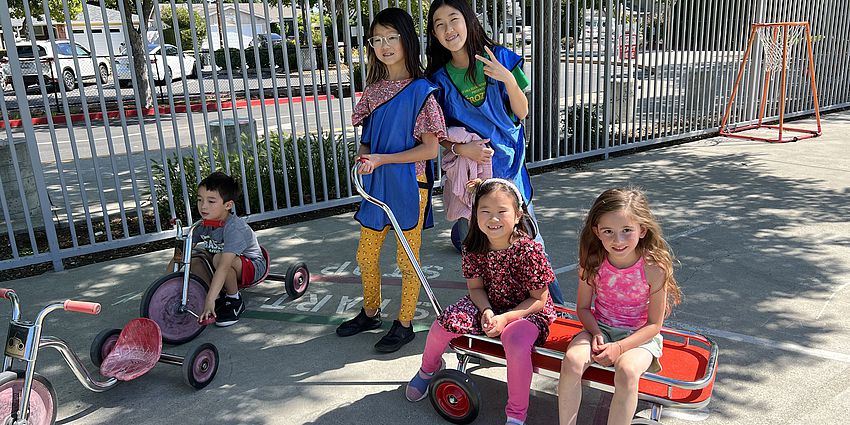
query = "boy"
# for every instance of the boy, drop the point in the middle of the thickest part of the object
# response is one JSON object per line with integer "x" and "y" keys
{"x": 229, "y": 245}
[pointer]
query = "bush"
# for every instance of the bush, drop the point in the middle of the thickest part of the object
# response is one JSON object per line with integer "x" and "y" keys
{"x": 221, "y": 59}
{"x": 282, "y": 149}
{"x": 358, "y": 78}
{"x": 588, "y": 127}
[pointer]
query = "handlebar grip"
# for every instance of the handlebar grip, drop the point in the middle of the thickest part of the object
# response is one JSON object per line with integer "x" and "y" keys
{"x": 82, "y": 307}
{"x": 5, "y": 291}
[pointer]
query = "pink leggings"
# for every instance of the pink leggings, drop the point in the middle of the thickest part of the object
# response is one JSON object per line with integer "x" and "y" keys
{"x": 517, "y": 338}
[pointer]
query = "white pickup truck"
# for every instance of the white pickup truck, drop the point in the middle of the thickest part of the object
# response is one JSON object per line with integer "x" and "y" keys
{"x": 58, "y": 65}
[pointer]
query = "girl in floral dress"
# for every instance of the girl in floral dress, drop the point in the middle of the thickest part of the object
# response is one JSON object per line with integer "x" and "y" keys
{"x": 507, "y": 274}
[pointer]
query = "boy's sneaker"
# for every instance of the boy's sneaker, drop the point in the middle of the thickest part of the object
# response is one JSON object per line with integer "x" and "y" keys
{"x": 230, "y": 311}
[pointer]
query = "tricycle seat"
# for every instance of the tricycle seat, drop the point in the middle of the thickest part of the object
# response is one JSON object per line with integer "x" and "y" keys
{"x": 137, "y": 351}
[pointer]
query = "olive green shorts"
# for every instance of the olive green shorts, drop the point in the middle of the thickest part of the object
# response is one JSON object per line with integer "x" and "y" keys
{"x": 613, "y": 334}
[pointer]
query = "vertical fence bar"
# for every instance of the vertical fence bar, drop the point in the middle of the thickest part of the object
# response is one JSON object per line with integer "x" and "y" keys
{"x": 29, "y": 133}
{"x": 122, "y": 117}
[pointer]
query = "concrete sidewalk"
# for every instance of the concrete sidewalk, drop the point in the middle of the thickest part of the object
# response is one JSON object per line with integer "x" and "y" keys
{"x": 759, "y": 229}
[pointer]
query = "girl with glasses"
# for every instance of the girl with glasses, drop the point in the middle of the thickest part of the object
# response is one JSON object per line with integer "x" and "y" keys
{"x": 402, "y": 128}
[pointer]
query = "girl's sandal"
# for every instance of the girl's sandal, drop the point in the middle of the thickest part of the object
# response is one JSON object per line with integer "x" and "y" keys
{"x": 417, "y": 388}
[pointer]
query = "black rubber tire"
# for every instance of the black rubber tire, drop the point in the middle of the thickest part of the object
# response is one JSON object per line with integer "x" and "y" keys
{"x": 177, "y": 328}
{"x": 455, "y": 396}
{"x": 69, "y": 79}
{"x": 103, "y": 73}
{"x": 100, "y": 345}
{"x": 297, "y": 280}
{"x": 200, "y": 367}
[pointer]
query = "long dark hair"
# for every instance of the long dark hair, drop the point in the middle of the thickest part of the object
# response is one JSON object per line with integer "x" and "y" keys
{"x": 401, "y": 21}
{"x": 476, "y": 241}
{"x": 652, "y": 246}
{"x": 476, "y": 38}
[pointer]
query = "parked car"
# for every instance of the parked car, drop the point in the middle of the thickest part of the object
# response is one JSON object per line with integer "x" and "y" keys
{"x": 163, "y": 71}
{"x": 265, "y": 40}
{"x": 57, "y": 65}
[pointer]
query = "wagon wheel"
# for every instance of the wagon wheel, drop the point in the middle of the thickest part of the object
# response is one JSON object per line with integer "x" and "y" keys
{"x": 455, "y": 396}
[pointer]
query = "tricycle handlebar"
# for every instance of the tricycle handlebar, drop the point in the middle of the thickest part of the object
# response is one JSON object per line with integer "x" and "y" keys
{"x": 82, "y": 307}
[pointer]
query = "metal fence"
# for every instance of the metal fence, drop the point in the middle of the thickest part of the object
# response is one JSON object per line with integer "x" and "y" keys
{"x": 103, "y": 145}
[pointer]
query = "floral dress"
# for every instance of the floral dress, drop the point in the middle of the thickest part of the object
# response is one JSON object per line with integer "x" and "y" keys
{"x": 508, "y": 276}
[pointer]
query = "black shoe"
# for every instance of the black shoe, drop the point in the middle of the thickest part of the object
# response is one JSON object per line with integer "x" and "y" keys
{"x": 395, "y": 338}
{"x": 359, "y": 323}
{"x": 231, "y": 309}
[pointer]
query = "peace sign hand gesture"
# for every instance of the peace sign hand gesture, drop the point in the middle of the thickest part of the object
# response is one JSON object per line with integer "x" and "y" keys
{"x": 494, "y": 69}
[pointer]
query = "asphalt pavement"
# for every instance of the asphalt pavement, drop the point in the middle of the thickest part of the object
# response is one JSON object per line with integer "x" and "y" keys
{"x": 760, "y": 231}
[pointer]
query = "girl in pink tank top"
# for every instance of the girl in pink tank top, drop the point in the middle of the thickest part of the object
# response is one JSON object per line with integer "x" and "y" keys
{"x": 626, "y": 289}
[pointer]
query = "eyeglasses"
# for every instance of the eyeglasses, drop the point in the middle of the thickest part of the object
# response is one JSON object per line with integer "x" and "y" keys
{"x": 391, "y": 40}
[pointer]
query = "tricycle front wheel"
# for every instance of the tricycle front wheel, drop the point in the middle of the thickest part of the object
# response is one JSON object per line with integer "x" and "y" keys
{"x": 42, "y": 399}
{"x": 162, "y": 303}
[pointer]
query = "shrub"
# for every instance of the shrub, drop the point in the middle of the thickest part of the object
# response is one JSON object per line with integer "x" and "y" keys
{"x": 282, "y": 148}
{"x": 588, "y": 127}
{"x": 221, "y": 59}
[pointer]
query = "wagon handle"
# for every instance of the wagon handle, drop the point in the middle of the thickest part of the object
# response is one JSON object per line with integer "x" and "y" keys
{"x": 357, "y": 178}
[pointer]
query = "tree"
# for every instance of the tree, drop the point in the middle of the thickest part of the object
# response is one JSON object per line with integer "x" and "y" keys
{"x": 184, "y": 25}
{"x": 57, "y": 12}
{"x": 137, "y": 42}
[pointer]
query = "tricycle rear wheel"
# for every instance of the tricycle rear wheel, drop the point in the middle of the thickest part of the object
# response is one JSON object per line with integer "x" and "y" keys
{"x": 297, "y": 280}
{"x": 200, "y": 367}
{"x": 103, "y": 344}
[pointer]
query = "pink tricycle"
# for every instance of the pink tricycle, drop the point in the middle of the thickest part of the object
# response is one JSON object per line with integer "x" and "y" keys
{"x": 27, "y": 398}
{"x": 175, "y": 300}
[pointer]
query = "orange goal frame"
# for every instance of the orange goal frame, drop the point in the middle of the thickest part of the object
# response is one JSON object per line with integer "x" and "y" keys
{"x": 800, "y": 132}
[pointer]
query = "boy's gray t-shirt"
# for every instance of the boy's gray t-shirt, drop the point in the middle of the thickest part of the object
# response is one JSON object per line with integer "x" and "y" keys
{"x": 235, "y": 236}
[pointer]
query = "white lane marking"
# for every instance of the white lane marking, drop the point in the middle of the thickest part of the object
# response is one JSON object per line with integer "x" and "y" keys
{"x": 830, "y": 299}
{"x": 787, "y": 346}
{"x": 764, "y": 342}
{"x": 669, "y": 239}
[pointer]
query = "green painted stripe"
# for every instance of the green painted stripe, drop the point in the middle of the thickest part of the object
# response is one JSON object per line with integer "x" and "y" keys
{"x": 280, "y": 316}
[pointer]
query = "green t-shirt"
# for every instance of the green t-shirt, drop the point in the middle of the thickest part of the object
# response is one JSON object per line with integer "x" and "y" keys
{"x": 476, "y": 92}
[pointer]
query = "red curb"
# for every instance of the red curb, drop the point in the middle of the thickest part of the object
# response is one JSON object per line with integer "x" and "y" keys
{"x": 211, "y": 106}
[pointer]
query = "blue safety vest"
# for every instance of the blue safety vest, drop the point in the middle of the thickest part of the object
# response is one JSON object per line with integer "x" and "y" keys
{"x": 389, "y": 129}
{"x": 491, "y": 120}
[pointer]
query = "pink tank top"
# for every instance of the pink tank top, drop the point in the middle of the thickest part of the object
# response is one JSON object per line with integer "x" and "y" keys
{"x": 622, "y": 295}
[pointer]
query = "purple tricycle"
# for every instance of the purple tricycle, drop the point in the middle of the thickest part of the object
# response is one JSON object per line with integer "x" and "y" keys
{"x": 175, "y": 300}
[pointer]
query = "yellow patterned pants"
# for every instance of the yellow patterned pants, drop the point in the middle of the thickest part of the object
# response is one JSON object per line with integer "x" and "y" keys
{"x": 368, "y": 258}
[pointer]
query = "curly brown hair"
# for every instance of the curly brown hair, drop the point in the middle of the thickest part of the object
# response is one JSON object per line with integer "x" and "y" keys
{"x": 652, "y": 246}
